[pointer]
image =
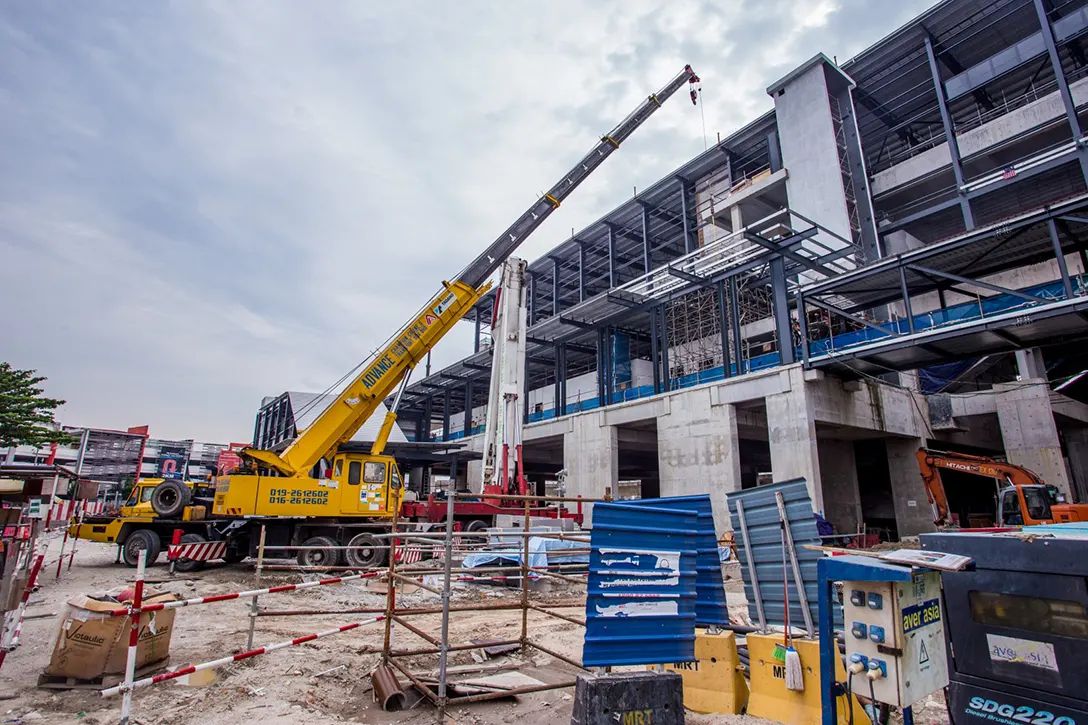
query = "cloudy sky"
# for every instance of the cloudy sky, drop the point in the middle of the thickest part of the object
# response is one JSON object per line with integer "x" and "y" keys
{"x": 202, "y": 203}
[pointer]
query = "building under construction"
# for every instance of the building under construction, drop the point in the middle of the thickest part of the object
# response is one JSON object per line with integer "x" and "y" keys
{"x": 894, "y": 257}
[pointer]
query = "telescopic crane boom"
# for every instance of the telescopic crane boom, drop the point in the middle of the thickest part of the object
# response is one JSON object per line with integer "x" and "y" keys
{"x": 389, "y": 368}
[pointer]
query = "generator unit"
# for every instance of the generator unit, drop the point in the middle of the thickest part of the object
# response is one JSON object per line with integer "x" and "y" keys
{"x": 1017, "y": 626}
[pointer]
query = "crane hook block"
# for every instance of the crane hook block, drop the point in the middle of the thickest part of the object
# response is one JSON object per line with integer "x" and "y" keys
{"x": 692, "y": 80}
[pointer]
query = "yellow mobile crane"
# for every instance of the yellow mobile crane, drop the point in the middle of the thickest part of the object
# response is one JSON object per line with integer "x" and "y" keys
{"x": 360, "y": 490}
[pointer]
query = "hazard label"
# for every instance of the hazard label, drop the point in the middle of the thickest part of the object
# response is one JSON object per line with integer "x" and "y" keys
{"x": 923, "y": 654}
{"x": 430, "y": 320}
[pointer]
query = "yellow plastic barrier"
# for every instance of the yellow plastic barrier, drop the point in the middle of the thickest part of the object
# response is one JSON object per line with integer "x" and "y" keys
{"x": 714, "y": 682}
{"x": 769, "y": 697}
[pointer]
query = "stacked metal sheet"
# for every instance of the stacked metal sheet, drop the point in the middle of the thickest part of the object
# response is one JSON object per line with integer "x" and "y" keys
{"x": 641, "y": 599}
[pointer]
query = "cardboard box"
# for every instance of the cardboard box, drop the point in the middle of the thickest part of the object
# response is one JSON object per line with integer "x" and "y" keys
{"x": 90, "y": 644}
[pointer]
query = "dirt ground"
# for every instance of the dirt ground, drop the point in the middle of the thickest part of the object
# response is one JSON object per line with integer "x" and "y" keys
{"x": 298, "y": 684}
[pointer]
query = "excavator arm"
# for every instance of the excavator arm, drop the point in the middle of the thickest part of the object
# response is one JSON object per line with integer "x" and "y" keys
{"x": 931, "y": 462}
{"x": 391, "y": 366}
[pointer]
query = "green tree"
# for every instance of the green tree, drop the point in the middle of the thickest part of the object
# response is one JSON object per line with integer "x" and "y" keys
{"x": 26, "y": 416}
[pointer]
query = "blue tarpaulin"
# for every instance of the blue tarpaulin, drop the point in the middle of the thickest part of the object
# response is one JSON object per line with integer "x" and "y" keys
{"x": 539, "y": 548}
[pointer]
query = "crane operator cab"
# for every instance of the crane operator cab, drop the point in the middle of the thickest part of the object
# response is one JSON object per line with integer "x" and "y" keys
{"x": 356, "y": 484}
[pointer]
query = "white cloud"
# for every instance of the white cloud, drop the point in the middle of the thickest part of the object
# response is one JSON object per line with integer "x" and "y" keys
{"x": 204, "y": 203}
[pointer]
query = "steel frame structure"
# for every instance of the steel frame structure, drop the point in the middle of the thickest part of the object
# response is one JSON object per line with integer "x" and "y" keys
{"x": 1006, "y": 319}
{"x": 958, "y": 66}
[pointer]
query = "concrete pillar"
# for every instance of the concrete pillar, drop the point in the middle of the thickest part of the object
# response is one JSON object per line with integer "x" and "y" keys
{"x": 591, "y": 457}
{"x": 839, "y": 474}
{"x": 913, "y": 514}
{"x": 1029, "y": 431}
{"x": 1076, "y": 446}
{"x": 475, "y": 469}
{"x": 698, "y": 451}
{"x": 736, "y": 217}
{"x": 1029, "y": 364}
{"x": 791, "y": 430}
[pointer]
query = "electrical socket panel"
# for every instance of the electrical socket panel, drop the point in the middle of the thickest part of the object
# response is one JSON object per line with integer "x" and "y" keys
{"x": 896, "y": 629}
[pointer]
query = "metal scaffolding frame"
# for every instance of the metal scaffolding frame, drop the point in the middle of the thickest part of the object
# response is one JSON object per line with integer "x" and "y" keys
{"x": 440, "y": 645}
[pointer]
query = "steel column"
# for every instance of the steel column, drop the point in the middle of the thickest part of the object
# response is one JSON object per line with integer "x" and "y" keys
{"x": 655, "y": 351}
{"x": 446, "y": 415}
{"x": 581, "y": 272}
{"x": 950, "y": 134}
{"x": 563, "y": 376}
{"x": 613, "y": 280}
{"x": 906, "y": 299}
{"x": 468, "y": 407}
{"x": 689, "y": 243}
{"x": 600, "y": 367}
{"x": 773, "y": 154}
{"x": 555, "y": 286}
{"x": 531, "y": 304}
{"x": 646, "y": 252}
{"x": 428, "y": 417}
{"x": 666, "y": 373}
{"x": 782, "y": 311}
{"x": 802, "y": 323}
{"x": 723, "y": 324}
{"x": 1063, "y": 84}
{"x": 734, "y": 319}
{"x": 557, "y": 393}
{"x": 476, "y": 339}
{"x": 1057, "y": 242}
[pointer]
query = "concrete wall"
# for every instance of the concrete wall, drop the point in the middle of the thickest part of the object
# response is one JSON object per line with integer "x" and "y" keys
{"x": 810, "y": 154}
{"x": 791, "y": 431}
{"x": 698, "y": 452}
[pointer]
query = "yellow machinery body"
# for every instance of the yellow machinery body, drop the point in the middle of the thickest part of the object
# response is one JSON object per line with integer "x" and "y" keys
{"x": 769, "y": 697}
{"x": 714, "y": 682}
{"x": 360, "y": 485}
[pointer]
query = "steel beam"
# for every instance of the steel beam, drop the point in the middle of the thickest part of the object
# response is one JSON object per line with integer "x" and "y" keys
{"x": 622, "y": 300}
{"x": 977, "y": 283}
{"x": 686, "y": 276}
{"x": 1063, "y": 85}
{"x": 474, "y": 366}
{"x": 779, "y": 248}
{"x": 1060, "y": 256}
{"x": 839, "y": 311}
{"x": 950, "y": 133}
{"x": 580, "y": 324}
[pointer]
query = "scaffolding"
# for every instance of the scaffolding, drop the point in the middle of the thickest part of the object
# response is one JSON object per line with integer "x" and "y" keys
{"x": 437, "y": 690}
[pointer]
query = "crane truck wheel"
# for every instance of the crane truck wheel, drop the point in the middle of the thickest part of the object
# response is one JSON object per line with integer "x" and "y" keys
{"x": 369, "y": 552}
{"x": 170, "y": 498}
{"x": 188, "y": 565}
{"x": 319, "y": 556}
{"x": 138, "y": 541}
{"x": 476, "y": 525}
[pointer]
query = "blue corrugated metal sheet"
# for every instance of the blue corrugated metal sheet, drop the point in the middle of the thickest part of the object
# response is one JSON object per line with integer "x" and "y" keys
{"x": 710, "y": 608}
{"x": 640, "y": 603}
{"x": 765, "y": 535}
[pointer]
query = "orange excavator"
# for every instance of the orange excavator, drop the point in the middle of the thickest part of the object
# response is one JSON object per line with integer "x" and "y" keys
{"x": 1023, "y": 498}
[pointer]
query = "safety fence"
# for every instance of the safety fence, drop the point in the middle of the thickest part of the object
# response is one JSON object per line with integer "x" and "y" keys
{"x": 137, "y": 608}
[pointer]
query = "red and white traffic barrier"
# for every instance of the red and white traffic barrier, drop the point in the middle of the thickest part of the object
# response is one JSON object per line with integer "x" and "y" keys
{"x": 237, "y": 595}
{"x": 154, "y": 680}
{"x": 61, "y": 511}
{"x": 11, "y": 641}
{"x": 203, "y": 551}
